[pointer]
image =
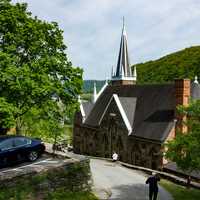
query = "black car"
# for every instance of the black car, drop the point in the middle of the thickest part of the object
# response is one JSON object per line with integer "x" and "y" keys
{"x": 14, "y": 149}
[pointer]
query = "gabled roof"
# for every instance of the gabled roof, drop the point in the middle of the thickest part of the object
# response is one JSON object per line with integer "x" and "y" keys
{"x": 85, "y": 108}
{"x": 102, "y": 89}
{"x": 149, "y": 108}
{"x": 129, "y": 106}
{"x": 122, "y": 106}
{"x": 149, "y": 98}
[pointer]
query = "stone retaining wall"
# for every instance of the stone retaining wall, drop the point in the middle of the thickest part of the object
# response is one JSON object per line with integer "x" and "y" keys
{"x": 70, "y": 175}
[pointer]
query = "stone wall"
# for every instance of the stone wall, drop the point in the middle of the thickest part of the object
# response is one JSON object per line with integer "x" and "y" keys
{"x": 112, "y": 135}
{"x": 72, "y": 175}
{"x": 145, "y": 153}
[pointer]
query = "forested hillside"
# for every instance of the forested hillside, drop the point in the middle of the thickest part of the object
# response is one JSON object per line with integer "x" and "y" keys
{"x": 182, "y": 64}
{"x": 89, "y": 85}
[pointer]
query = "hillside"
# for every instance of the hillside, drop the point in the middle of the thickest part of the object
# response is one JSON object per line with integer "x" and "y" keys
{"x": 88, "y": 85}
{"x": 181, "y": 64}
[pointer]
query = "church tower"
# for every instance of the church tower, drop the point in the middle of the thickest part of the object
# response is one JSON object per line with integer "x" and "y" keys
{"x": 123, "y": 74}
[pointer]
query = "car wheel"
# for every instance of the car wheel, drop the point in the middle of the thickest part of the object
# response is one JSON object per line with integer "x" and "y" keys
{"x": 32, "y": 156}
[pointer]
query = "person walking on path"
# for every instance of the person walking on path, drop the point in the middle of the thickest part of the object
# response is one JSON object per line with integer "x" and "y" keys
{"x": 114, "y": 157}
{"x": 153, "y": 186}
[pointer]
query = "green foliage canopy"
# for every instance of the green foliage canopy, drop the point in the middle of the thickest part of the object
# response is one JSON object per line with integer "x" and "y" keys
{"x": 6, "y": 116}
{"x": 185, "y": 148}
{"x": 33, "y": 63}
{"x": 182, "y": 64}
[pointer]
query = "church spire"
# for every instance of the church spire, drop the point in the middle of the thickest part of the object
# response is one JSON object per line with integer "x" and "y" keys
{"x": 123, "y": 70}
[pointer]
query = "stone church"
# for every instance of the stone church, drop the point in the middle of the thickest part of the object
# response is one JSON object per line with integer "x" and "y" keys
{"x": 133, "y": 120}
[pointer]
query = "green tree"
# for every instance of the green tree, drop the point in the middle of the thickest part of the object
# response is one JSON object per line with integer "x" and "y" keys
{"x": 6, "y": 116}
{"x": 33, "y": 63}
{"x": 51, "y": 122}
{"x": 185, "y": 148}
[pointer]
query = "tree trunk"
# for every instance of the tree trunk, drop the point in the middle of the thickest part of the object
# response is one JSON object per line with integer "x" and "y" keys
{"x": 18, "y": 127}
{"x": 188, "y": 181}
{"x": 55, "y": 143}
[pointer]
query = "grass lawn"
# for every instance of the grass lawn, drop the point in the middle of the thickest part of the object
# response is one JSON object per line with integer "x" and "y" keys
{"x": 180, "y": 192}
{"x": 29, "y": 194}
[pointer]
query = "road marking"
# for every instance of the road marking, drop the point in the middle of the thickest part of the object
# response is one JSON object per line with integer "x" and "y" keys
{"x": 26, "y": 165}
{"x": 53, "y": 161}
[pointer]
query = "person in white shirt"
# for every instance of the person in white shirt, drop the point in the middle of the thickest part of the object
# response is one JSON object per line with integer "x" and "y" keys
{"x": 114, "y": 157}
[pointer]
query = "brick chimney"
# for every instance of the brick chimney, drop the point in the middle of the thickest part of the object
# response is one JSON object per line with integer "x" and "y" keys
{"x": 182, "y": 96}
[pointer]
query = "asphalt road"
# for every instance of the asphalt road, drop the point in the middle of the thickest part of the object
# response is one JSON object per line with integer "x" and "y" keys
{"x": 45, "y": 160}
{"x": 121, "y": 183}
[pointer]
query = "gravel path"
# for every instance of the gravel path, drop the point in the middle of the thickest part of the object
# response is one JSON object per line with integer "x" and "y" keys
{"x": 114, "y": 182}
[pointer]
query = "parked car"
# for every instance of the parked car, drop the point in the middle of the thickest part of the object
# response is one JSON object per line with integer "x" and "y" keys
{"x": 14, "y": 149}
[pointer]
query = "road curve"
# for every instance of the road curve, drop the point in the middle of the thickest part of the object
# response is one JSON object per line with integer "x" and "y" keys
{"x": 121, "y": 183}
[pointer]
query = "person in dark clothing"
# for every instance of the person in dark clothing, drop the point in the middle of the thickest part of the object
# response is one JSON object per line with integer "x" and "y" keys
{"x": 153, "y": 186}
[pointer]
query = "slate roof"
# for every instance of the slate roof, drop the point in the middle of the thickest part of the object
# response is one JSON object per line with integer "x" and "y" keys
{"x": 87, "y": 107}
{"x": 129, "y": 106}
{"x": 154, "y": 107}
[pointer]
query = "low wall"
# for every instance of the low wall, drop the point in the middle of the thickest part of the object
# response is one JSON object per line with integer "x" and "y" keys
{"x": 168, "y": 176}
{"x": 171, "y": 177}
{"x": 70, "y": 175}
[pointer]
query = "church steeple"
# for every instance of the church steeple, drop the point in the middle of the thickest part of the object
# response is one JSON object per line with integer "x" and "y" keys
{"x": 123, "y": 74}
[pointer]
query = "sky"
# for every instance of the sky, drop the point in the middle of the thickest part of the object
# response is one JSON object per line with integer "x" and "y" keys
{"x": 92, "y": 29}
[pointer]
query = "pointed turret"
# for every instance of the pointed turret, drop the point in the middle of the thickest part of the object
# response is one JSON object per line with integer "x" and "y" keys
{"x": 196, "y": 80}
{"x": 94, "y": 93}
{"x": 123, "y": 74}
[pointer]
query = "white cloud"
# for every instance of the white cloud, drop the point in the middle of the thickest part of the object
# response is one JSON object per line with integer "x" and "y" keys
{"x": 92, "y": 29}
